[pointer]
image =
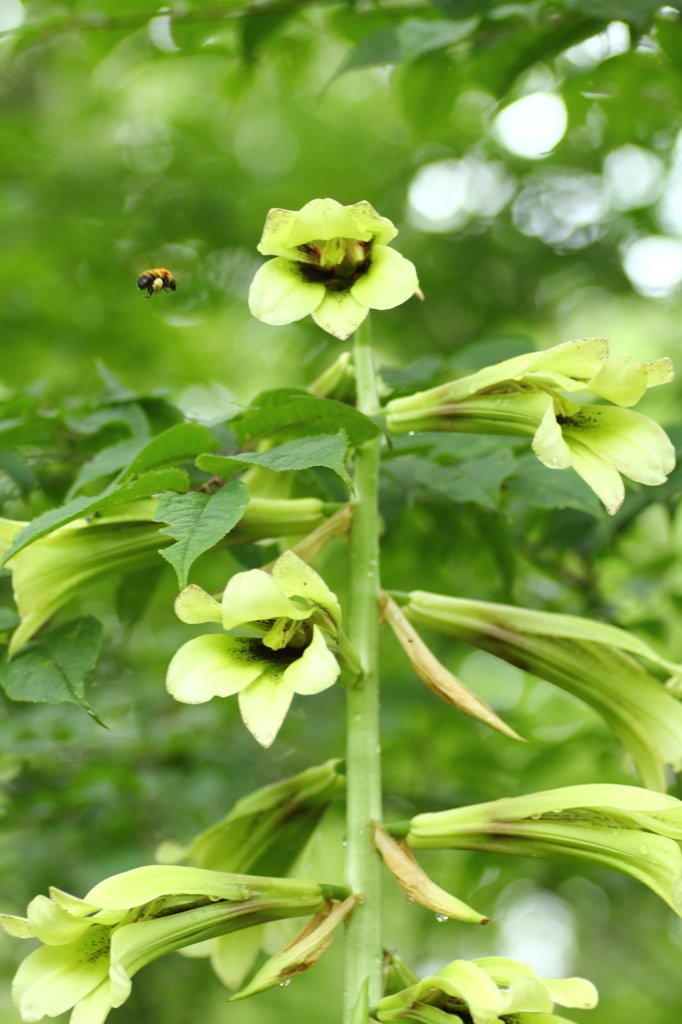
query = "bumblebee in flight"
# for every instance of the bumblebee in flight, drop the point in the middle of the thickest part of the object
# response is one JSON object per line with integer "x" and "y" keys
{"x": 156, "y": 280}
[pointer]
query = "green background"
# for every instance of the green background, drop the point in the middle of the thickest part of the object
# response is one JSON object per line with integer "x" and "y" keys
{"x": 116, "y": 156}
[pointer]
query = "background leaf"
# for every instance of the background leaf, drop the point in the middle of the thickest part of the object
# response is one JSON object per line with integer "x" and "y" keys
{"x": 285, "y": 414}
{"x": 53, "y": 669}
{"x": 548, "y": 488}
{"x": 178, "y": 444}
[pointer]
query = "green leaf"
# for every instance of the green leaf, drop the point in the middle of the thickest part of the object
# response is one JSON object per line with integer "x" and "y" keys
{"x": 130, "y": 414}
{"x": 134, "y": 592}
{"x": 414, "y": 377}
{"x": 257, "y": 28}
{"x": 116, "y": 494}
{"x": 15, "y": 468}
{"x": 639, "y": 13}
{"x": 478, "y": 481}
{"x": 428, "y": 88}
{"x": 322, "y": 450}
{"x": 498, "y": 66}
{"x": 542, "y": 487}
{"x": 288, "y": 413}
{"x": 178, "y": 444}
{"x": 198, "y": 521}
{"x": 373, "y": 51}
{"x": 107, "y": 461}
{"x": 53, "y": 670}
{"x": 8, "y": 618}
{"x": 417, "y": 37}
{"x": 403, "y": 43}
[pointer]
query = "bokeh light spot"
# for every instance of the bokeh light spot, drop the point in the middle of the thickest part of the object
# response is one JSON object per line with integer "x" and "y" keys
{"x": 445, "y": 195}
{"x": 532, "y": 126}
{"x": 633, "y": 176}
{"x": 654, "y": 265}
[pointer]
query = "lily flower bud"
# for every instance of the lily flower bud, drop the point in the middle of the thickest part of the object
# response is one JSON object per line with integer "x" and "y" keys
{"x": 526, "y": 396}
{"x": 492, "y": 990}
{"x": 337, "y": 381}
{"x": 624, "y": 828}
{"x": 591, "y": 660}
{"x": 416, "y": 884}
{"x": 265, "y": 832}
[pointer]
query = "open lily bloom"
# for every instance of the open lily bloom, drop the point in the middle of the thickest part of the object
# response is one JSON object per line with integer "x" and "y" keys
{"x": 492, "y": 990}
{"x": 93, "y": 947}
{"x": 332, "y": 261}
{"x": 591, "y": 660}
{"x": 623, "y": 828}
{"x": 526, "y": 397}
{"x": 295, "y": 620}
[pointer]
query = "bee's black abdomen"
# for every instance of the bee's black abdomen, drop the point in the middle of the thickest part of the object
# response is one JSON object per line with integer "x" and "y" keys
{"x": 144, "y": 281}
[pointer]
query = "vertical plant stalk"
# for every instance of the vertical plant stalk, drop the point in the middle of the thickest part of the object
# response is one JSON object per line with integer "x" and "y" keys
{"x": 364, "y": 950}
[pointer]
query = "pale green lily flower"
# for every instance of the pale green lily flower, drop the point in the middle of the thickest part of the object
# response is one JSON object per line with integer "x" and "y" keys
{"x": 526, "y": 396}
{"x": 49, "y": 573}
{"x": 298, "y": 622}
{"x": 332, "y": 261}
{"x": 264, "y": 833}
{"x": 624, "y": 828}
{"x": 93, "y": 947}
{"x": 589, "y": 659}
{"x": 492, "y": 990}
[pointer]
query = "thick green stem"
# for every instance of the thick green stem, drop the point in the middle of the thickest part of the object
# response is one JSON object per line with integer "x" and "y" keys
{"x": 364, "y": 951}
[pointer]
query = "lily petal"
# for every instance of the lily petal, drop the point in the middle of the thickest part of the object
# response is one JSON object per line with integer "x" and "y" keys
{"x": 390, "y": 280}
{"x": 52, "y": 979}
{"x": 139, "y": 886}
{"x": 17, "y": 927}
{"x": 340, "y": 314}
{"x": 630, "y": 442}
{"x": 276, "y": 234}
{"x": 264, "y": 705}
{"x": 321, "y": 220}
{"x": 194, "y": 605}
{"x": 463, "y": 979}
{"x": 370, "y": 224}
{"x": 604, "y": 480}
{"x": 295, "y": 577}
{"x": 232, "y": 956}
{"x": 52, "y": 925}
{"x": 95, "y": 1008}
{"x": 623, "y": 380}
{"x": 549, "y": 444}
{"x": 212, "y": 666}
{"x": 660, "y": 372}
{"x": 253, "y": 596}
{"x": 317, "y": 669}
{"x": 576, "y": 993}
{"x": 280, "y": 294}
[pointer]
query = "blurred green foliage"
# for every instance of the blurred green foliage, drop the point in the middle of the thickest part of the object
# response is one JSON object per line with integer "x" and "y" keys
{"x": 128, "y": 140}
